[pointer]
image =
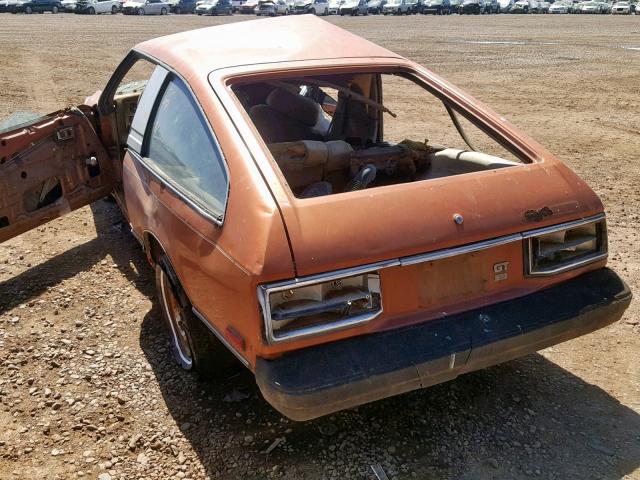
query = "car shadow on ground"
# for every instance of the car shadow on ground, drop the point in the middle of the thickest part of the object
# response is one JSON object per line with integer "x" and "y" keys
{"x": 113, "y": 239}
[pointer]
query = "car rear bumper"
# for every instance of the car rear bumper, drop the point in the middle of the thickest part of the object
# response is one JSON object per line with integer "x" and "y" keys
{"x": 327, "y": 378}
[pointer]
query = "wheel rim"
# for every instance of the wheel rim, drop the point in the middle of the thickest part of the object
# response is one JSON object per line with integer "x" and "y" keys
{"x": 176, "y": 322}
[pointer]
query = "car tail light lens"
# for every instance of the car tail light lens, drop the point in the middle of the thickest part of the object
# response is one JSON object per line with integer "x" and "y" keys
{"x": 556, "y": 250}
{"x": 318, "y": 306}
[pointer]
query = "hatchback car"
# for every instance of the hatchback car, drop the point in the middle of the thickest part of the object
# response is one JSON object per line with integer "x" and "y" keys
{"x": 300, "y": 224}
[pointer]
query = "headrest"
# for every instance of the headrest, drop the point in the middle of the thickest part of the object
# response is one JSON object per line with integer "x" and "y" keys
{"x": 302, "y": 109}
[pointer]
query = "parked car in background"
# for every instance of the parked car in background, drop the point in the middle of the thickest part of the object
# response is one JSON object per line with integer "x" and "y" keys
{"x": 621, "y": 8}
{"x": 505, "y": 5}
{"x": 236, "y": 4}
{"x": 9, "y": 6}
{"x": 248, "y": 7}
{"x": 560, "y": 7}
{"x": 37, "y": 6}
{"x": 414, "y": 6}
{"x": 317, "y": 7}
{"x": 454, "y": 5}
{"x": 93, "y": 7}
{"x": 605, "y": 7}
{"x": 214, "y": 7}
{"x": 184, "y": 6}
{"x": 591, "y": 8}
{"x": 437, "y": 7}
{"x": 354, "y": 8}
{"x": 334, "y": 6}
{"x": 473, "y": 7}
{"x": 521, "y": 6}
{"x": 395, "y": 7}
{"x": 491, "y": 6}
{"x": 543, "y": 7}
{"x": 575, "y": 6}
{"x": 70, "y": 5}
{"x": 374, "y": 6}
{"x": 145, "y": 7}
{"x": 272, "y": 8}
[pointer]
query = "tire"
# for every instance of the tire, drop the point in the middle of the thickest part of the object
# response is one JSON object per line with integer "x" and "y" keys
{"x": 193, "y": 345}
{"x": 140, "y": 11}
{"x": 163, "y": 11}
{"x": 114, "y": 10}
{"x": 91, "y": 11}
{"x": 177, "y": 11}
{"x": 28, "y": 10}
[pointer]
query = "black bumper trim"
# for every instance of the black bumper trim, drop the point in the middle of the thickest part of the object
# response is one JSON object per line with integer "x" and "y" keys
{"x": 319, "y": 380}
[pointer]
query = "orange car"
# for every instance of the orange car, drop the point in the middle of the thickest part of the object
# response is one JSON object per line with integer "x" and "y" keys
{"x": 346, "y": 223}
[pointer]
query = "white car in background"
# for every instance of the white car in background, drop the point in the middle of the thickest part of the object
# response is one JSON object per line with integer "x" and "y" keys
{"x": 93, "y": 7}
{"x": 590, "y": 7}
{"x": 272, "y": 8}
{"x": 334, "y": 6}
{"x": 505, "y": 5}
{"x": 559, "y": 7}
{"x": 621, "y": 8}
{"x": 69, "y": 5}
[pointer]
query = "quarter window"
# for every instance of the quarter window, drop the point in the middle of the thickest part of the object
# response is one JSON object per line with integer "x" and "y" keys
{"x": 182, "y": 149}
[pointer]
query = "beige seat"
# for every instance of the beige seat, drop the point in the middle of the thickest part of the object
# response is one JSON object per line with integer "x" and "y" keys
{"x": 286, "y": 117}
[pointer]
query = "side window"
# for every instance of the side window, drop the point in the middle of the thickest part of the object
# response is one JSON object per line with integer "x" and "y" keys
{"x": 180, "y": 147}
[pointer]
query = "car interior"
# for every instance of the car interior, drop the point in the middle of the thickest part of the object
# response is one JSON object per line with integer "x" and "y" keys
{"x": 328, "y": 134}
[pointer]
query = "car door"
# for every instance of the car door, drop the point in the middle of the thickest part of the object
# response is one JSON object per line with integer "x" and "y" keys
{"x": 49, "y": 167}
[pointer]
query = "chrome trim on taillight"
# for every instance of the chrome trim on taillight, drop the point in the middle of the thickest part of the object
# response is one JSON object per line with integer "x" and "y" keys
{"x": 265, "y": 290}
{"x": 600, "y": 254}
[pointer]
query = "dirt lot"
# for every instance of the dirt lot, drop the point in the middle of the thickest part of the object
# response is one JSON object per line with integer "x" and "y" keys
{"x": 87, "y": 389}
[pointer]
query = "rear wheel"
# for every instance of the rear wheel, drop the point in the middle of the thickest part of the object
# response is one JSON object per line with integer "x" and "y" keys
{"x": 141, "y": 11}
{"x": 54, "y": 10}
{"x": 114, "y": 10}
{"x": 91, "y": 11}
{"x": 193, "y": 345}
{"x": 28, "y": 10}
{"x": 163, "y": 11}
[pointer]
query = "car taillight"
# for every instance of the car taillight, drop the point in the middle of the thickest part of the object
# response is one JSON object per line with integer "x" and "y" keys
{"x": 319, "y": 305}
{"x": 555, "y": 250}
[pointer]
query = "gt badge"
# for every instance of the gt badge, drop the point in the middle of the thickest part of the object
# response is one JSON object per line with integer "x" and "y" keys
{"x": 500, "y": 271}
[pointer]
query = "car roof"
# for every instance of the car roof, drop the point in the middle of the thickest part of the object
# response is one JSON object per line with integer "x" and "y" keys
{"x": 274, "y": 40}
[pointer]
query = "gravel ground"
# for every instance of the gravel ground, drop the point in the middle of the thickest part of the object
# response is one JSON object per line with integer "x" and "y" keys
{"x": 87, "y": 389}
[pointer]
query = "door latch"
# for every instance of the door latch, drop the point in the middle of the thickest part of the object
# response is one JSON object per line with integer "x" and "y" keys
{"x": 64, "y": 134}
